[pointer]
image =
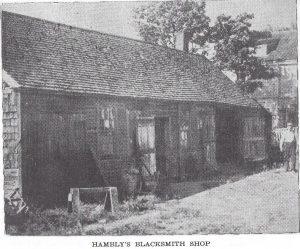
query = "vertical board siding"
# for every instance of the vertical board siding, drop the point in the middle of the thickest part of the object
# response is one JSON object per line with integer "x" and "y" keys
{"x": 73, "y": 126}
{"x": 199, "y": 154}
{"x": 255, "y": 139}
{"x": 105, "y": 129}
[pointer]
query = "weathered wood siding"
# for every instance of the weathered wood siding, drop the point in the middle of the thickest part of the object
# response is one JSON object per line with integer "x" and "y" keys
{"x": 197, "y": 126}
{"x": 256, "y": 134}
{"x": 144, "y": 109}
{"x": 66, "y": 126}
{"x": 79, "y": 132}
{"x": 75, "y": 133}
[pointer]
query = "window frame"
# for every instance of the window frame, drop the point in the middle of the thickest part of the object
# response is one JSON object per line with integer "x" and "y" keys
{"x": 184, "y": 130}
{"x": 106, "y": 115}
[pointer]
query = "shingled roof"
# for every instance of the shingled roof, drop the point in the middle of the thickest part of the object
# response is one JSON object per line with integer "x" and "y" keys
{"x": 286, "y": 48}
{"x": 44, "y": 55}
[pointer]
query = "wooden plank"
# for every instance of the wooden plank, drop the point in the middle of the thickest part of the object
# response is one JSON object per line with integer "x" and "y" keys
{"x": 111, "y": 200}
{"x": 114, "y": 199}
{"x": 75, "y": 200}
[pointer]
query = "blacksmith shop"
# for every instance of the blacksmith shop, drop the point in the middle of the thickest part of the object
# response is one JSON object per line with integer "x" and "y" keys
{"x": 82, "y": 107}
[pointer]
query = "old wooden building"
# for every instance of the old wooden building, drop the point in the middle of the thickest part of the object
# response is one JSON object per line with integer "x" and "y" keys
{"x": 79, "y": 104}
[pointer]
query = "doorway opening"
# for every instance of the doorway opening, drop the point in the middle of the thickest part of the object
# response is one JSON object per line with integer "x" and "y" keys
{"x": 227, "y": 131}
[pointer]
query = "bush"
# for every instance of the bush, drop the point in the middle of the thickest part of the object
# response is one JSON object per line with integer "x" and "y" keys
{"x": 141, "y": 203}
{"x": 58, "y": 221}
{"x": 130, "y": 183}
{"x": 47, "y": 222}
{"x": 91, "y": 213}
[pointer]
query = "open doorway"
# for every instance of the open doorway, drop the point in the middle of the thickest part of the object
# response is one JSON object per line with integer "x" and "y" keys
{"x": 161, "y": 134}
{"x": 227, "y": 131}
{"x": 152, "y": 137}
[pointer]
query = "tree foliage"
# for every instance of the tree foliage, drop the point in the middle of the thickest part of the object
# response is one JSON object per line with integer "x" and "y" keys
{"x": 160, "y": 22}
{"x": 234, "y": 45}
{"x": 233, "y": 40}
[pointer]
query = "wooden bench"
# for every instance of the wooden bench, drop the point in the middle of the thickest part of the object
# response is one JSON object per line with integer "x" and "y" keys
{"x": 110, "y": 199}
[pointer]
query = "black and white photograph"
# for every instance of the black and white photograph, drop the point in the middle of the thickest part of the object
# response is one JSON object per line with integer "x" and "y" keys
{"x": 150, "y": 118}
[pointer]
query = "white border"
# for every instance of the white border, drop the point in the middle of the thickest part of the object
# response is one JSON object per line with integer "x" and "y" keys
{"x": 289, "y": 241}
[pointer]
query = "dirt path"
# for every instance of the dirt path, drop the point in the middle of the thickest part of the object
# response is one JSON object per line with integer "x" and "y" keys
{"x": 262, "y": 203}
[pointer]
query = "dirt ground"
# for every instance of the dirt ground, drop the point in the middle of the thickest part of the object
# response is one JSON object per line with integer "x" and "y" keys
{"x": 263, "y": 203}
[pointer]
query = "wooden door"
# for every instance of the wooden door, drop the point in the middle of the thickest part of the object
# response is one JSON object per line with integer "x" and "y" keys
{"x": 227, "y": 136}
{"x": 254, "y": 144}
{"x": 146, "y": 144}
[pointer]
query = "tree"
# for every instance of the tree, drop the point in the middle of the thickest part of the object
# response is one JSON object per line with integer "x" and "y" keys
{"x": 233, "y": 40}
{"x": 160, "y": 22}
{"x": 234, "y": 45}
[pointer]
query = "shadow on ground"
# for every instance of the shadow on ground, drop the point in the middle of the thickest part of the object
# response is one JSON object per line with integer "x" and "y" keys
{"x": 228, "y": 173}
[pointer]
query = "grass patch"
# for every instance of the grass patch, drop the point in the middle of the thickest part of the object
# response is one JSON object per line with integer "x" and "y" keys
{"x": 139, "y": 204}
{"x": 58, "y": 221}
{"x": 47, "y": 222}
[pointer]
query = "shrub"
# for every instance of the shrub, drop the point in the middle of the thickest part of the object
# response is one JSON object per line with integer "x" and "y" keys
{"x": 141, "y": 203}
{"x": 91, "y": 213}
{"x": 47, "y": 222}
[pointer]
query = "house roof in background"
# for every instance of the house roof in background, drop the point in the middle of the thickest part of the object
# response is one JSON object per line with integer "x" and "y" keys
{"x": 44, "y": 55}
{"x": 285, "y": 46}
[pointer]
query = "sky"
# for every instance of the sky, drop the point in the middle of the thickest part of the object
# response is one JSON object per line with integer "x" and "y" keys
{"x": 116, "y": 17}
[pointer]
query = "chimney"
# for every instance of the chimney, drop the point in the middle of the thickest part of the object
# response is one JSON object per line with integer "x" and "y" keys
{"x": 185, "y": 42}
{"x": 182, "y": 42}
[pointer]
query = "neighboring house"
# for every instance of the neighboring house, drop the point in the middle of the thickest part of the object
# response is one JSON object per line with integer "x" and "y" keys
{"x": 280, "y": 95}
{"x": 80, "y": 107}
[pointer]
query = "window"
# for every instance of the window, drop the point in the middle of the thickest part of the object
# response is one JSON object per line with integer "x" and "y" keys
{"x": 107, "y": 118}
{"x": 206, "y": 122}
{"x": 146, "y": 135}
{"x": 210, "y": 152}
{"x": 184, "y": 136}
{"x": 199, "y": 122}
{"x": 106, "y": 127}
{"x": 184, "y": 129}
